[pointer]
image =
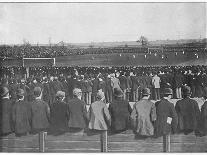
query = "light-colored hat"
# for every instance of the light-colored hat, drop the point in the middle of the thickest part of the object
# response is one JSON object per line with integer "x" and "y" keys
{"x": 60, "y": 94}
{"x": 100, "y": 95}
{"x": 77, "y": 91}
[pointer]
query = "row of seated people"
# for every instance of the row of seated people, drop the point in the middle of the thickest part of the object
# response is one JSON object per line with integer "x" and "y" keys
{"x": 145, "y": 118}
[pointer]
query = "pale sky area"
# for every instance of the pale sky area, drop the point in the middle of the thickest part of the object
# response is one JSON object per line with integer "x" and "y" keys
{"x": 99, "y": 22}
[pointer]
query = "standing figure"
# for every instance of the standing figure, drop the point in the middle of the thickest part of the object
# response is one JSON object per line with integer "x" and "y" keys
{"x": 77, "y": 111}
{"x": 40, "y": 112}
{"x": 6, "y": 126}
{"x": 156, "y": 84}
{"x": 21, "y": 116}
{"x": 143, "y": 115}
{"x": 188, "y": 113}
{"x": 167, "y": 118}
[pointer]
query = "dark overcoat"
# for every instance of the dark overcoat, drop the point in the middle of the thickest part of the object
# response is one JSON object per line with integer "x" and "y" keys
{"x": 123, "y": 82}
{"x": 188, "y": 114}
{"x": 59, "y": 116}
{"x": 40, "y": 113}
{"x": 204, "y": 118}
{"x": 21, "y": 117}
{"x": 164, "y": 111}
{"x": 5, "y": 114}
{"x": 77, "y": 113}
{"x": 120, "y": 114}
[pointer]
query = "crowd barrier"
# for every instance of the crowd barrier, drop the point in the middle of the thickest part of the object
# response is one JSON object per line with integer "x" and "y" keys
{"x": 102, "y": 142}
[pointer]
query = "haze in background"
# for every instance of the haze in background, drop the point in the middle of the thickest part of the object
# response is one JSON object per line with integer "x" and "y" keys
{"x": 100, "y": 22}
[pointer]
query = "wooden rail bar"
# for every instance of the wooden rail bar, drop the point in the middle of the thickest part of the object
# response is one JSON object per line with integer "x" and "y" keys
{"x": 104, "y": 141}
{"x": 166, "y": 143}
{"x": 42, "y": 135}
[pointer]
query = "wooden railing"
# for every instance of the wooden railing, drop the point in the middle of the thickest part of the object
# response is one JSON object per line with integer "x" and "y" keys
{"x": 102, "y": 142}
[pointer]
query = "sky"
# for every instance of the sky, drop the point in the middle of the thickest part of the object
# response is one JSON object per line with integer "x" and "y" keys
{"x": 100, "y": 22}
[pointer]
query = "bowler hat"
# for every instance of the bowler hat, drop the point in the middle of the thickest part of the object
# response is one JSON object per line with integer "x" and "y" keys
{"x": 20, "y": 92}
{"x": 4, "y": 91}
{"x": 37, "y": 91}
{"x": 186, "y": 90}
{"x": 118, "y": 92}
{"x": 146, "y": 91}
{"x": 168, "y": 91}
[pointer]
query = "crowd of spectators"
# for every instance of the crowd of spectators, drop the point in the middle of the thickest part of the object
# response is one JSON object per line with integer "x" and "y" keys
{"x": 55, "y": 99}
{"x": 31, "y": 51}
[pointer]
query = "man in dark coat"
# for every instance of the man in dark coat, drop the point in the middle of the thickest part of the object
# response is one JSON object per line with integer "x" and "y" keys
{"x": 59, "y": 114}
{"x": 5, "y": 112}
{"x": 40, "y": 112}
{"x": 188, "y": 113}
{"x": 167, "y": 119}
{"x": 77, "y": 112}
{"x": 203, "y": 121}
{"x": 21, "y": 116}
{"x": 120, "y": 112}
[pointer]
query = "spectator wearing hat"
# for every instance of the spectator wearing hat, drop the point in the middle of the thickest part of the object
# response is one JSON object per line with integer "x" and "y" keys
{"x": 21, "y": 116}
{"x": 120, "y": 112}
{"x": 59, "y": 115}
{"x": 5, "y": 112}
{"x": 203, "y": 121}
{"x": 143, "y": 115}
{"x": 188, "y": 113}
{"x": 99, "y": 117}
{"x": 77, "y": 112}
{"x": 40, "y": 112}
{"x": 167, "y": 119}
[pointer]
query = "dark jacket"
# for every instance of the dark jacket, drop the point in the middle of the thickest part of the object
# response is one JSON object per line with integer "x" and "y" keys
{"x": 123, "y": 82}
{"x": 21, "y": 117}
{"x": 40, "y": 113}
{"x": 59, "y": 116}
{"x": 5, "y": 114}
{"x": 188, "y": 114}
{"x": 165, "y": 109}
{"x": 120, "y": 114}
{"x": 77, "y": 113}
{"x": 135, "y": 83}
{"x": 204, "y": 118}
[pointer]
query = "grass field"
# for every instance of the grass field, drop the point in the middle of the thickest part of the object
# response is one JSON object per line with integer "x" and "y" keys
{"x": 115, "y": 59}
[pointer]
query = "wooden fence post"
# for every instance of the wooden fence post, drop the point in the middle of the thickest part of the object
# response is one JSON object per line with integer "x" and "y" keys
{"x": 166, "y": 143}
{"x": 42, "y": 141}
{"x": 104, "y": 141}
